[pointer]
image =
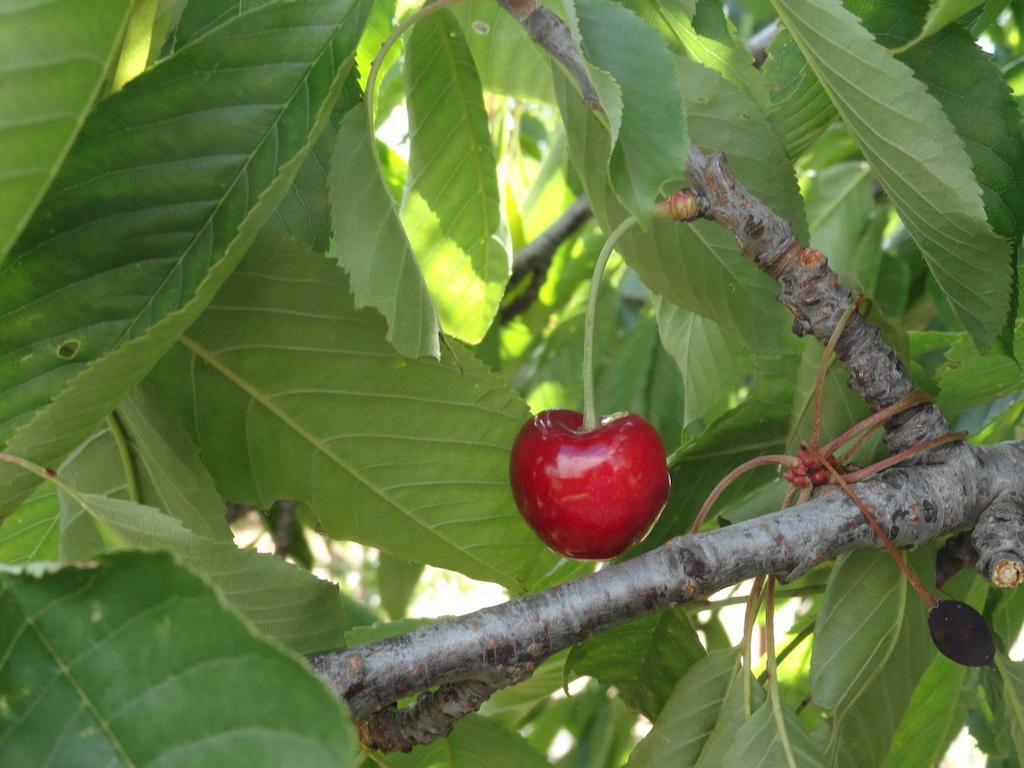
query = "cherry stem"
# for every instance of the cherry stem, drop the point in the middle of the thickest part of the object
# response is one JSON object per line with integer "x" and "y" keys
{"x": 749, "y": 618}
{"x": 725, "y": 482}
{"x": 589, "y": 408}
{"x": 873, "y": 422}
{"x": 927, "y": 596}
{"x": 860, "y": 474}
{"x": 819, "y": 382}
{"x": 773, "y": 672}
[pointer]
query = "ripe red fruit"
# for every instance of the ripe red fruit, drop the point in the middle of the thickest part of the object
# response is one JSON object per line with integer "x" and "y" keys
{"x": 589, "y": 494}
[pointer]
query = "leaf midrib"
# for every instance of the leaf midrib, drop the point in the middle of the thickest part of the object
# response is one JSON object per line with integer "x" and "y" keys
{"x": 211, "y": 359}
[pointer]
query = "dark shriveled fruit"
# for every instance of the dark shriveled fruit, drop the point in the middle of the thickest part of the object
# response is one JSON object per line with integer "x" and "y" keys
{"x": 961, "y": 634}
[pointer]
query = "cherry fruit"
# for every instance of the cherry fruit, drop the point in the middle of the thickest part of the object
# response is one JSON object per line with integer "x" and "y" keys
{"x": 589, "y": 493}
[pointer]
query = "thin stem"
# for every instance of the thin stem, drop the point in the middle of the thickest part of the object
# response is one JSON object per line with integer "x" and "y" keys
{"x": 125, "y": 453}
{"x": 878, "y": 466}
{"x": 782, "y": 594}
{"x": 378, "y": 60}
{"x": 792, "y": 645}
{"x": 758, "y": 461}
{"x": 819, "y": 382}
{"x": 41, "y": 472}
{"x": 773, "y": 673}
{"x": 589, "y": 409}
{"x": 749, "y": 617}
{"x": 914, "y": 581}
{"x": 872, "y": 422}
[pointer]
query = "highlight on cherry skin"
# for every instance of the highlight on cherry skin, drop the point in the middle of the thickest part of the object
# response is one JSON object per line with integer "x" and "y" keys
{"x": 589, "y": 494}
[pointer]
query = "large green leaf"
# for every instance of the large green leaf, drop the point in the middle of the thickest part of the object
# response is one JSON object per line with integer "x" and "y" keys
{"x": 919, "y": 159}
{"x": 370, "y": 243}
{"x": 699, "y": 266}
{"x": 160, "y": 197}
{"x": 452, "y": 210}
{"x": 475, "y": 741}
{"x": 54, "y": 57}
{"x": 133, "y": 660}
{"x": 643, "y": 659}
{"x": 690, "y": 714}
{"x": 857, "y": 627}
{"x": 408, "y": 456}
{"x": 650, "y": 146}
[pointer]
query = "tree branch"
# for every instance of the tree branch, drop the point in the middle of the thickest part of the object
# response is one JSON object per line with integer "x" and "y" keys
{"x": 534, "y": 258}
{"x": 502, "y": 645}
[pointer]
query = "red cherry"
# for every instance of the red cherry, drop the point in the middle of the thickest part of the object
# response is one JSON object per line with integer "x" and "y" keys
{"x": 589, "y": 494}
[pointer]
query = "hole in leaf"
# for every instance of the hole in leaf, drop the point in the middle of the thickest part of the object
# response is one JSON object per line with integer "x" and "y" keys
{"x": 68, "y": 349}
{"x": 961, "y": 634}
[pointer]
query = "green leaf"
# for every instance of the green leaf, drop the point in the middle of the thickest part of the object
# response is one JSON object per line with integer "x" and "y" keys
{"x": 1012, "y": 673}
{"x": 968, "y": 379}
{"x": 370, "y": 243}
{"x": 452, "y": 210}
{"x": 937, "y": 709}
{"x": 641, "y": 378}
{"x": 304, "y": 214}
{"x": 398, "y": 579}
{"x": 32, "y": 531}
{"x": 507, "y": 60}
{"x": 712, "y": 278}
{"x": 475, "y": 741}
{"x": 650, "y": 146}
{"x": 713, "y": 361}
{"x": 200, "y": 16}
{"x": 710, "y": 38}
{"x": 943, "y": 12}
{"x": 98, "y": 653}
{"x": 800, "y": 107}
{"x": 643, "y": 658}
{"x": 54, "y": 57}
{"x": 757, "y": 742}
{"x": 690, "y": 714}
{"x": 919, "y": 159}
{"x": 283, "y": 601}
{"x": 933, "y": 718}
{"x": 410, "y": 456}
{"x": 166, "y": 186}
{"x": 857, "y": 627}
{"x": 175, "y": 479}
{"x": 861, "y": 731}
{"x": 979, "y": 104}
